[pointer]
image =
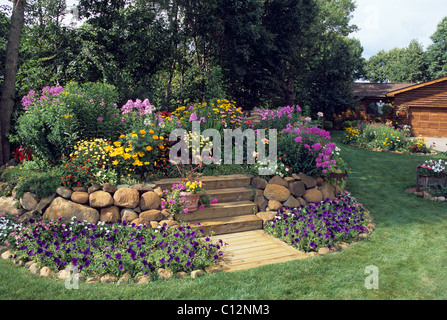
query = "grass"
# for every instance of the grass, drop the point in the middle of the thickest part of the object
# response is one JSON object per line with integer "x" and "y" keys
{"x": 408, "y": 247}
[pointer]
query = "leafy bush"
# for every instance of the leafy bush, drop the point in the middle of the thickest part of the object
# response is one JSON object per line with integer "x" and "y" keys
{"x": 319, "y": 225}
{"x": 111, "y": 249}
{"x": 383, "y": 137}
{"x": 56, "y": 119}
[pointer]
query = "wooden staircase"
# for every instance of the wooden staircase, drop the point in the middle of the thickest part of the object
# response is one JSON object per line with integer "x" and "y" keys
{"x": 235, "y": 210}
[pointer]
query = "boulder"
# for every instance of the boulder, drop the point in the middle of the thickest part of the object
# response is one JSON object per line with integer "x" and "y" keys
{"x": 259, "y": 183}
{"x": 66, "y": 209}
{"x": 197, "y": 273}
{"x": 110, "y": 188}
{"x": 110, "y": 214}
{"x": 152, "y": 215}
{"x": 93, "y": 188}
{"x": 126, "y": 197}
{"x": 100, "y": 199}
{"x": 313, "y": 195}
{"x": 274, "y": 205}
{"x": 279, "y": 181}
{"x": 169, "y": 223}
{"x": 108, "y": 278}
{"x": 309, "y": 181}
{"x": 46, "y": 272}
{"x": 125, "y": 278}
{"x": 44, "y": 203}
{"x": 140, "y": 222}
{"x": 149, "y": 200}
{"x": 29, "y": 201}
{"x": 128, "y": 214}
{"x": 64, "y": 192}
{"x": 297, "y": 188}
{"x": 159, "y": 192}
{"x": 327, "y": 190}
{"x": 7, "y": 204}
{"x": 276, "y": 192}
{"x": 292, "y": 202}
{"x": 80, "y": 197}
{"x": 266, "y": 216}
{"x": 261, "y": 202}
{"x": 142, "y": 188}
{"x": 165, "y": 274}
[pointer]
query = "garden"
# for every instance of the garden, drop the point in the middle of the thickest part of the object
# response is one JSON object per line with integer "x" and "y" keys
{"x": 77, "y": 138}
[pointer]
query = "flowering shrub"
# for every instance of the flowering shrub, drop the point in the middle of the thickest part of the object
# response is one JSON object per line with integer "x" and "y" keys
{"x": 218, "y": 115}
{"x": 433, "y": 168}
{"x": 135, "y": 152}
{"x": 383, "y": 137}
{"x": 279, "y": 118}
{"x": 307, "y": 149}
{"x": 319, "y": 225}
{"x": 22, "y": 154}
{"x": 55, "y": 119}
{"x": 111, "y": 249}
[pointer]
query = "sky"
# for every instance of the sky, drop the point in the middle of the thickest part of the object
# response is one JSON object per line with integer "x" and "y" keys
{"x": 387, "y": 24}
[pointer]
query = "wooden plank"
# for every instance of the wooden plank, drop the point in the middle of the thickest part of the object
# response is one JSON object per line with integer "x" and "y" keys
{"x": 219, "y": 210}
{"x": 253, "y": 249}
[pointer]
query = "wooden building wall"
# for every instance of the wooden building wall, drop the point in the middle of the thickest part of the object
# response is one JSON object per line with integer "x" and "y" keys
{"x": 434, "y": 95}
{"x": 427, "y": 109}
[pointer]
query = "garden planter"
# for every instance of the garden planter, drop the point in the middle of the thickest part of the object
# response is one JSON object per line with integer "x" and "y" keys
{"x": 191, "y": 201}
{"x": 427, "y": 181}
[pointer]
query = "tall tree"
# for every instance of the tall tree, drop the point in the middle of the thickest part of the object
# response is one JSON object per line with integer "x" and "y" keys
{"x": 332, "y": 61}
{"x": 437, "y": 52}
{"x": 398, "y": 65}
{"x": 9, "y": 84}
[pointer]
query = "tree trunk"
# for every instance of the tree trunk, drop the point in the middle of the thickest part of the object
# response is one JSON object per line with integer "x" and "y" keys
{"x": 9, "y": 84}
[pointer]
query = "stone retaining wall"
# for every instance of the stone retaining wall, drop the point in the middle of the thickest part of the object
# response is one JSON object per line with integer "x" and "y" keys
{"x": 294, "y": 191}
{"x": 139, "y": 204}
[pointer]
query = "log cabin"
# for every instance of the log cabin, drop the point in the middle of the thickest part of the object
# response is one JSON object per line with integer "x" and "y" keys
{"x": 425, "y": 105}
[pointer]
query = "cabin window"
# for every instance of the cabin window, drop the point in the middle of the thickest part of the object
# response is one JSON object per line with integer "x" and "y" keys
{"x": 374, "y": 108}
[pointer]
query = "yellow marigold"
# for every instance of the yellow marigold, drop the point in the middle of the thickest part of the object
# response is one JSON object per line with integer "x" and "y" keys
{"x": 115, "y": 162}
{"x": 148, "y": 148}
{"x": 155, "y": 137}
{"x": 161, "y": 147}
{"x": 142, "y": 132}
{"x": 151, "y": 131}
{"x": 122, "y": 136}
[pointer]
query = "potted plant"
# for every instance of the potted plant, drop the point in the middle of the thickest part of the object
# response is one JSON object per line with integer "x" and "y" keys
{"x": 432, "y": 173}
{"x": 187, "y": 197}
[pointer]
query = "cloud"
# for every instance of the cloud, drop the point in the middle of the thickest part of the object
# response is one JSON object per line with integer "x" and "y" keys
{"x": 387, "y": 24}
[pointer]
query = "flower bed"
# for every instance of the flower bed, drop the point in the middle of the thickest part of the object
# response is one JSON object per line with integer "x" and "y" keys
{"x": 79, "y": 142}
{"x": 323, "y": 224}
{"x": 113, "y": 249}
{"x": 384, "y": 137}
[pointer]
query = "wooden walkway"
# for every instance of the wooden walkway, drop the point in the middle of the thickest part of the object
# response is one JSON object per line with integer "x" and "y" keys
{"x": 251, "y": 249}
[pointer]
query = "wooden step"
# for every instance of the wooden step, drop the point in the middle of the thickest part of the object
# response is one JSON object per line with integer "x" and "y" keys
{"x": 229, "y": 224}
{"x": 211, "y": 182}
{"x": 232, "y": 194}
{"x": 255, "y": 248}
{"x": 219, "y": 210}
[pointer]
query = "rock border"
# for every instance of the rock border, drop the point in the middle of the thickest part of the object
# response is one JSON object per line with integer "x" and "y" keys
{"x": 126, "y": 278}
{"x": 425, "y": 194}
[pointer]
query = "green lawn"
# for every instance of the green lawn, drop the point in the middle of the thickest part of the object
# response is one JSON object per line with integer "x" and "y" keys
{"x": 408, "y": 247}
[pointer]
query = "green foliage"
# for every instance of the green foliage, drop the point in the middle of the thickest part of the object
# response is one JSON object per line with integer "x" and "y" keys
{"x": 437, "y": 52}
{"x": 398, "y": 65}
{"x": 54, "y": 121}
